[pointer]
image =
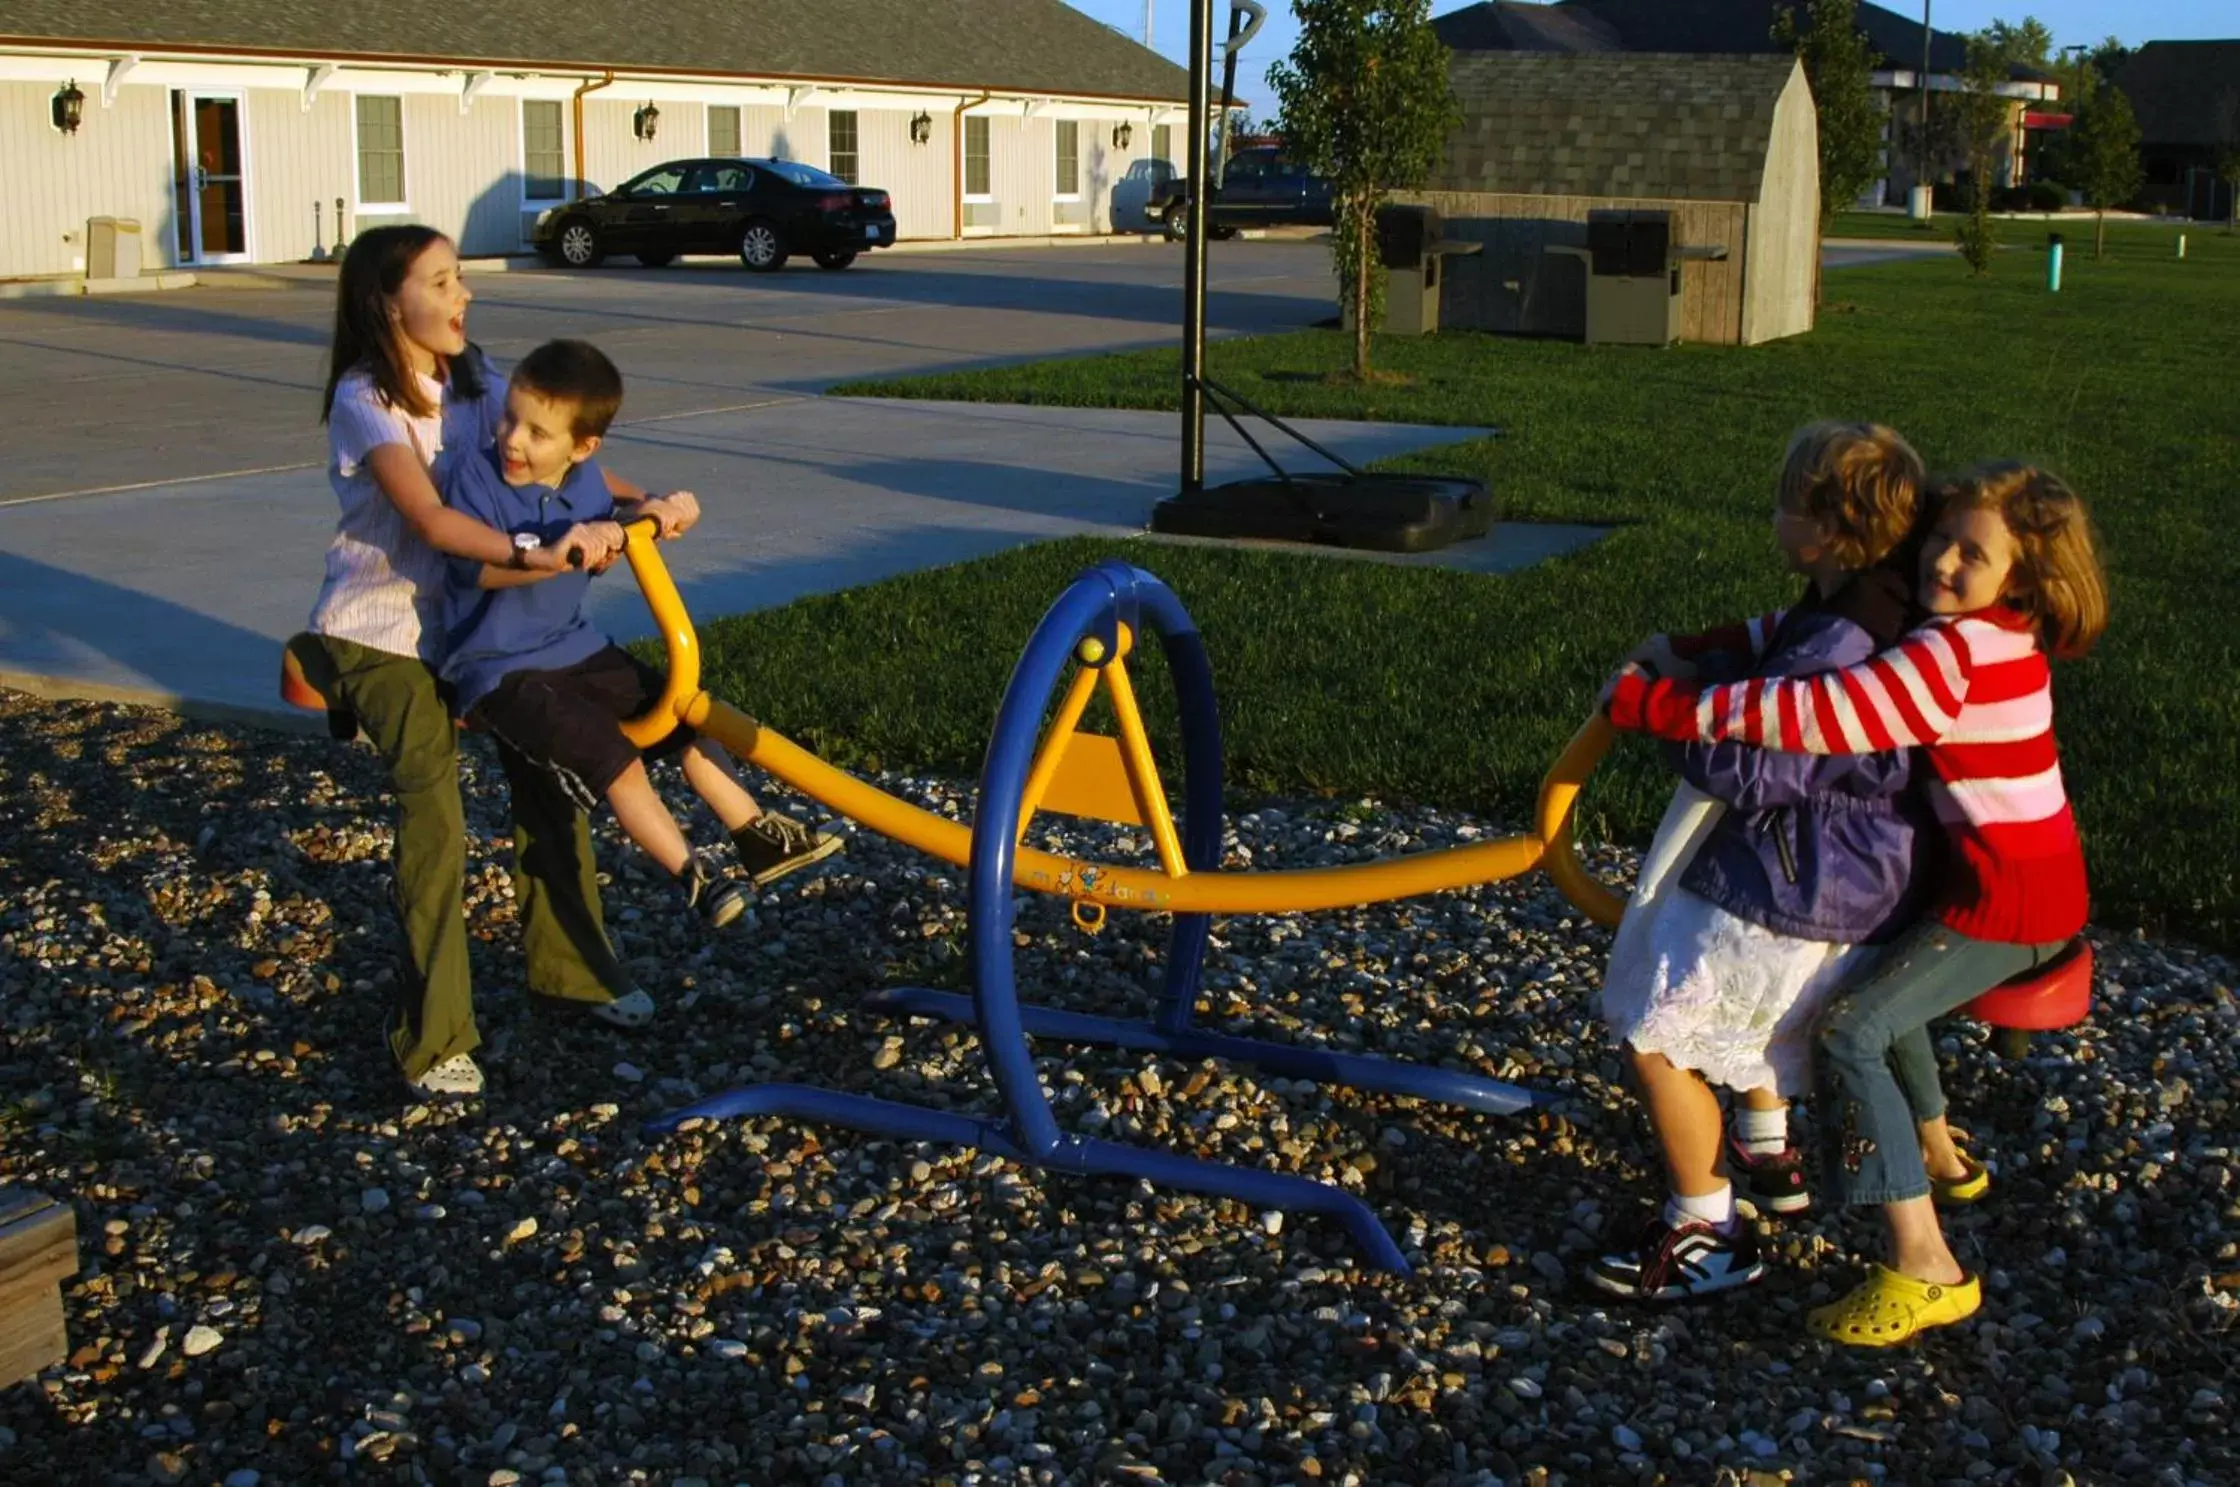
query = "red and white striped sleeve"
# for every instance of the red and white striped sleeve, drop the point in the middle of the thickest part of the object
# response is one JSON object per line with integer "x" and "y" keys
{"x": 1900, "y": 698}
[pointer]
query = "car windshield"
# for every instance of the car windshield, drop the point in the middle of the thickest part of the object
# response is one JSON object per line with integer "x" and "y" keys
{"x": 803, "y": 175}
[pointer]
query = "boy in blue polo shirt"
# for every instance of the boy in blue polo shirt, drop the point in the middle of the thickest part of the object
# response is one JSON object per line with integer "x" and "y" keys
{"x": 528, "y": 665}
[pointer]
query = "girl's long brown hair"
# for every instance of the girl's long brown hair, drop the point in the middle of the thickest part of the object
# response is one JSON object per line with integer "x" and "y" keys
{"x": 2057, "y": 578}
{"x": 365, "y": 331}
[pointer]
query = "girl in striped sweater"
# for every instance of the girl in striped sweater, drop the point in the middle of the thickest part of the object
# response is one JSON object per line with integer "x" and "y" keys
{"x": 2008, "y": 574}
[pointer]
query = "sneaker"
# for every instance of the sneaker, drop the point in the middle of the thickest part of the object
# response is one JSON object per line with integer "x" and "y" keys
{"x": 1774, "y": 1182}
{"x": 458, "y": 1077}
{"x": 772, "y": 845}
{"x": 718, "y": 901}
{"x": 1675, "y": 1264}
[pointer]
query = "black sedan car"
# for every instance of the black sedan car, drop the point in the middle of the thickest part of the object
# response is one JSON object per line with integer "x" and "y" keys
{"x": 763, "y": 210}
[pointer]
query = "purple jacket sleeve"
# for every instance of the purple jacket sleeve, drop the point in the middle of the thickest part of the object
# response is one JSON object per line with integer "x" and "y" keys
{"x": 1749, "y": 778}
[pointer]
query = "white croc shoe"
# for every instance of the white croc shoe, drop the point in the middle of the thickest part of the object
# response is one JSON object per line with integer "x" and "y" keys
{"x": 458, "y": 1076}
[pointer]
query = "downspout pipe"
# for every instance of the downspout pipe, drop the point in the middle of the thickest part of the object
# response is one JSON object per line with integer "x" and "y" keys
{"x": 590, "y": 85}
{"x": 956, "y": 146}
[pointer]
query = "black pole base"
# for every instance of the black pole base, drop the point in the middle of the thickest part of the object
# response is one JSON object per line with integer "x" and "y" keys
{"x": 1370, "y": 511}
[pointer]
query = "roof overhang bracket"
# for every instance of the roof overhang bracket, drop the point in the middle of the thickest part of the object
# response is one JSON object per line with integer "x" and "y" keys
{"x": 317, "y": 78}
{"x": 475, "y": 84}
{"x": 1035, "y": 108}
{"x": 798, "y": 98}
{"x": 120, "y": 68}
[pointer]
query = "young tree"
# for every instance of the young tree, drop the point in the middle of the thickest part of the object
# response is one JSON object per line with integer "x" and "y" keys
{"x": 2104, "y": 156}
{"x": 1839, "y": 64}
{"x": 1364, "y": 103}
{"x": 1984, "y": 121}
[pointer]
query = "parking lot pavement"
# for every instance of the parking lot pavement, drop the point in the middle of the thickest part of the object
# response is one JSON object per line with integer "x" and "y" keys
{"x": 114, "y": 391}
{"x": 186, "y": 590}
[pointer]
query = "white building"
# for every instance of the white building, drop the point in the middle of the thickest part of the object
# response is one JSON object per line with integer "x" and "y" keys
{"x": 239, "y": 130}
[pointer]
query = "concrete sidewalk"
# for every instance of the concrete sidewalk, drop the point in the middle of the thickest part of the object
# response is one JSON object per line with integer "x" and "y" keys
{"x": 183, "y": 591}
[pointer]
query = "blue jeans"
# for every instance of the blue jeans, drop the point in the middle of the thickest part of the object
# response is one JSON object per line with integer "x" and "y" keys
{"x": 1878, "y": 1072}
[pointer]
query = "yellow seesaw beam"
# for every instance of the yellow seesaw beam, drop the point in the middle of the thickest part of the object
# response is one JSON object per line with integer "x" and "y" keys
{"x": 1273, "y": 892}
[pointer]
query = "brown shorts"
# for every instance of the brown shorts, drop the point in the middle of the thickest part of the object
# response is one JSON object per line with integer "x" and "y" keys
{"x": 569, "y": 721}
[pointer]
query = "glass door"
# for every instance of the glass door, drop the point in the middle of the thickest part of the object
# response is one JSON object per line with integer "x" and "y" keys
{"x": 213, "y": 186}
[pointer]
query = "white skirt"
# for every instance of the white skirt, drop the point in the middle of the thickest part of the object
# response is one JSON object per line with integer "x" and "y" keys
{"x": 1713, "y": 992}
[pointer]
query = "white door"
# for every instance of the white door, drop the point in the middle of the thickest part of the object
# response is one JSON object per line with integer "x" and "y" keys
{"x": 212, "y": 190}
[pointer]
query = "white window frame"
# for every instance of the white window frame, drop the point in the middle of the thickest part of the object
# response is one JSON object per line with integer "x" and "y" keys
{"x": 988, "y": 130}
{"x": 1058, "y": 128}
{"x": 738, "y": 136}
{"x": 522, "y": 153}
{"x": 855, "y": 128}
{"x": 357, "y": 157}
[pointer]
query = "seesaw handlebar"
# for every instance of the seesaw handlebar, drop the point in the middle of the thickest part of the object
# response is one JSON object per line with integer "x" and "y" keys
{"x": 1283, "y": 891}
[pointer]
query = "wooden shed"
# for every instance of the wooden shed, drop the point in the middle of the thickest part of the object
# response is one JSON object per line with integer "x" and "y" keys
{"x": 1728, "y": 144}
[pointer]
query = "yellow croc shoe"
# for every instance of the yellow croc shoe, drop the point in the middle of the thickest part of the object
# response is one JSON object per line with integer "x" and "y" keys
{"x": 1970, "y": 1187}
{"x": 1888, "y": 1308}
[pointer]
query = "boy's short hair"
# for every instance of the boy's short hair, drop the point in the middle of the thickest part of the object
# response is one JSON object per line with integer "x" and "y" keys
{"x": 1862, "y": 479}
{"x": 575, "y": 372}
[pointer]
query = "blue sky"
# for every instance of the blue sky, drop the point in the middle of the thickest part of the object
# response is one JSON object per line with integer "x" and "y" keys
{"x": 2071, "y": 21}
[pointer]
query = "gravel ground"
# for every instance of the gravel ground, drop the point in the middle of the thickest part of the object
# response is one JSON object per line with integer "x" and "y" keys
{"x": 295, "y": 1274}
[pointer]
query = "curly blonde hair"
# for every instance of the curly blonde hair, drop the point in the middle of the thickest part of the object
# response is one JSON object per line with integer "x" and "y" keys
{"x": 1861, "y": 479}
{"x": 2057, "y": 579}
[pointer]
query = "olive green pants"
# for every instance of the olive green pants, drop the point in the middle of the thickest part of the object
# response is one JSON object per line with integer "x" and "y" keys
{"x": 556, "y": 886}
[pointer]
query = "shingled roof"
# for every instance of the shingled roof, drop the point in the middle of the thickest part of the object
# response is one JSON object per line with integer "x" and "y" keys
{"x": 1714, "y": 26}
{"x": 1027, "y": 46}
{"x": 1543, "y": 123}
{"x": 2185, "y": 92}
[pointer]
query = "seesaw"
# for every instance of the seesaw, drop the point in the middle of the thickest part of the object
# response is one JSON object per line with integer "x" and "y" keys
{"x": 1094, "y": 626}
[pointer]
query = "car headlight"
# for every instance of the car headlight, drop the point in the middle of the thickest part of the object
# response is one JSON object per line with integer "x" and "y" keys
{"x": 546, "y": 215}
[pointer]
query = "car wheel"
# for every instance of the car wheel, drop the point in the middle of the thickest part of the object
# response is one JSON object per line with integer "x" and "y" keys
{"x": 1176, "y": 221}
{"x": 579, "y": 244}
{"x": 835, "y": 259}
{"x": 657, "y": 260}
{"x": 1222, "y": 234}
{"x": 762, "y": 248}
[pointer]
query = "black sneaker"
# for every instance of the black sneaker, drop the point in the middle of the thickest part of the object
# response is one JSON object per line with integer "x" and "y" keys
{"x": 1774, "y": 1183}
{"x": 1671, "y": 1264}
{"x": 718, "y": 901}
{"x": 771, "y": 845}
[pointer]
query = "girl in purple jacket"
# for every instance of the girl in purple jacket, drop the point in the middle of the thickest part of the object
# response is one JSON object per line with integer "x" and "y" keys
{"x": 1716, "y": 980}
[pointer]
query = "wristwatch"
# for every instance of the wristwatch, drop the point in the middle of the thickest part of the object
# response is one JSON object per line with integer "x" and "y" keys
{"x": 524, "y": 543}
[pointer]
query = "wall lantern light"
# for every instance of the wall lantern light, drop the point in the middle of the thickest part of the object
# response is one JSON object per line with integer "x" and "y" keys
{"x": 921, "y": 128}
{"x": 645, "y": 121}
{"x": 69, "y": 108}
{"x": 1122, "y": 135}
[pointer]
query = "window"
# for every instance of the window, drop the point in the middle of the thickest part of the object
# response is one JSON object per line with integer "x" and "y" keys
{"x": 802, "y": 175}
{"x": 976, "y": 178}
{"x": 662, "y": 180}
{"x": 1069, "y": 159}
{"x": 1162, "y": 141}
{"x": 840, "y": 139}
{"x": 721, "y": 178}
{"x": 723, "y": 130}
{"x": 380, "y": 152}
{"x": 544, "y": 157}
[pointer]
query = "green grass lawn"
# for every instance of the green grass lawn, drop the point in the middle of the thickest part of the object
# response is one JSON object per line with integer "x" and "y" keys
{"x": 1364, "y": 679}
{"x": 2126, "y": 239}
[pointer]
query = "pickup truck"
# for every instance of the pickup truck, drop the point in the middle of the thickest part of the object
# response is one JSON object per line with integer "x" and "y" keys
{"x": 1260, "y": 188}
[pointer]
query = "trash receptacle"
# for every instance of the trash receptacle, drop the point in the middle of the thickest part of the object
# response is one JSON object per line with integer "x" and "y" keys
{"x": 112, "y": 248}
{"x": 1410, "y": 243}
{"x": 1633, "y": 279}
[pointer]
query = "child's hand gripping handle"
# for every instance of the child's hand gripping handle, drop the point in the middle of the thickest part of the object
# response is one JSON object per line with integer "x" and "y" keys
{"x": 610, "y": 547}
